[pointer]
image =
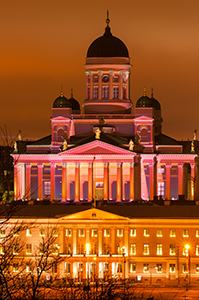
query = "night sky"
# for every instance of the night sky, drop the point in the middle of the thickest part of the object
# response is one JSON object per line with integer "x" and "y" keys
{"x": 44, "y": 45}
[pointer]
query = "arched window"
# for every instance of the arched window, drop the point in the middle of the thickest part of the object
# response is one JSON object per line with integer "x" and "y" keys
{"x": 60, "y": 134}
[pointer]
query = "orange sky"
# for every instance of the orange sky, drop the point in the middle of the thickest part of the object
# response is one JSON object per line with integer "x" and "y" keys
{"x": 44, "y": 45}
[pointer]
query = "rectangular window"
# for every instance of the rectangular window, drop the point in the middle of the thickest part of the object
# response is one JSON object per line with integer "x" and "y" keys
{"x": 197, "y": 232}
{"x": 159, "y": 249}
{"x": 27, "y": 267}
{"x": 120, "y": 232}
{"x": 81, "y": 232}
{"x": 115, "y": 79}
{"x": 161, "y": 188}
{"x": 28, "y": 232}
{"x": 95, "y": 79}
{"x": 41, "y": 248}
{"x": 197, "y": 249}
{"x": 55, "y": 249}
{"x": 47, "y": 188}
{"x": 68, "y": 232}
{"x": 28, "y": 248}
{"x": 146, "y": 268}
{"x": 95, "y": 92}
{"x": 55, "y": 232}
{"x": 172, "y": 232}
{"x": 172, "y": 268}
{"x": 105, "y": 92}
{"x": 1, "y": 249}
{"x": 172, "y": 249}
{"x": 67, "y": 267}
{"x": 146, "y": 249}
{"x": 146, "y": 232}
{"x": 2, "y": 232}
{"x": 185, "y": 233}
{"x": 15, "y": 267}
{"x": 16, "y": 249}
{"x": 159, "y": 232}
{"x": 158, "y": 268}
{"x": 41, "y": 232}
{"x": 94, "y": 232}
{"x": 119, "y": 267}
{"x": 132, "y": 268}
{"x": 15, "y": 232}
{"x": 107, "y": 232}
{"x": 133, "y": 249}
{"x": 133, "y": 232}
{"x": 197, "y": 268}
{"x": 68, "y": 249}
{"x": 115, "y": 92}
{"x": 184, "y": 268}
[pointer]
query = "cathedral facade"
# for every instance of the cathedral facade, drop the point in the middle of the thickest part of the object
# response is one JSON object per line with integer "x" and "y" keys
{"x": 114, "y": 176}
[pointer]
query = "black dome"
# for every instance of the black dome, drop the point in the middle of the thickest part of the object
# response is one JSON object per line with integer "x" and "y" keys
{"x": 107, "y": 46}
{"x": 61, "y": 101}
{"x": 145, "y": 101}
{"x": 74, "y": 103}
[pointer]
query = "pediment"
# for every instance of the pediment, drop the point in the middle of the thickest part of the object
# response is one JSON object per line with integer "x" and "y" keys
{"x": 96, "y": 148}
{"x": 143, "y": 118}
{"x": 93, "y": 214}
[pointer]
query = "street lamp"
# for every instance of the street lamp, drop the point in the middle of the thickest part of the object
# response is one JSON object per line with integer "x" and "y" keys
{"x": 187, "y": 247}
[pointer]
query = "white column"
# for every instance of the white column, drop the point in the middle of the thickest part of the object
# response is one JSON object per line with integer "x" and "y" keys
{"x": 74, "y": 240}
{"x": 100, "y": 241}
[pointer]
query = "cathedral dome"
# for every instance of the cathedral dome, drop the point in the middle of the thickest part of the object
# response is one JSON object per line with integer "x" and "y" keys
{"x": 107, "y": 45}
{"x": 143, "y": 101}
{"x": 61, "y": 101}
{"x": 74, "y": 104}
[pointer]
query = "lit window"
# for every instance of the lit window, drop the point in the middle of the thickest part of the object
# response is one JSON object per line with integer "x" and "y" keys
{"x": 146, "y": 249}
{"x": 119, "y": 232}
{"x": 119, "y": 267}
{"x": 133, "y": 232}
{"x": 146, "y": 232}
{"x": 47, "y": 188}
{"x": 94, "y": 232}
{"x": 185, "y": 233}
{"x": 158, "y": 268}
{"x": 41, "y": 232}
{"x": 28, "y": 232}
{"x": 197, "y": 232}
{"x": 133, "y": 249}
{"x": 27, "y": 268}
{"x": 132, "y": 267}
{"x": 172, "y": 268}
{"x": 68, "y": 232}
{"x": 67, "y": 267}
{"x": 172, "y": 249}
{"x": 15, "y": 232}
{"x": 115, "y": 92}
{"x": 28, "y": 248}
{"x": 95, "y": 92}
{"x": 81, "y": 232}
{"x": 159, "y": 232}
{"x": 159, "y": 249}
{"x": 107, "y": 232}
{"x": 105, "y": 92}
{"x": 55, "y": 232}
{"x": 172, "y": 232}
{"x": 15, "y": 267}
{"x": 16, "y": 249}
{"x": 115, "y": 79}
{"x": 197, "y": 249}
{"x": 1, "y": 249}
{"x": 184, "y": 268}
{"x": 161, "y": 186}
{"x": 2, "y": 232}
{"x": 146, "y": 268}
{"x": 55, "y": 249}
{"x": 197, "y": 268}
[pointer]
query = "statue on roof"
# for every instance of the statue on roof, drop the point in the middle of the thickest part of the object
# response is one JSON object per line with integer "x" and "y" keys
{"x": 131, "y": 145}
{"x": 97, "y": 133}
{"x": 19, "y": 136}
{"x": 15, "y": 147}
{"x": 192, "y": 147}
{"x": 65, "y": 144}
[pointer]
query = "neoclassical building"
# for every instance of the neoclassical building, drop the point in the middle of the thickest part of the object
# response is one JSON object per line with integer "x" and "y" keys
{"x": 112, "y": 152}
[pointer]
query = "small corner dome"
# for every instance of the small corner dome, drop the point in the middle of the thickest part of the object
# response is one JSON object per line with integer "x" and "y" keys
{"x": 143, "y": 101}
{"x": 107, "y": 46}
{"x": 61, "y": 101}
{"x": 74, "y": 104}
{"x": 155, "y": 103}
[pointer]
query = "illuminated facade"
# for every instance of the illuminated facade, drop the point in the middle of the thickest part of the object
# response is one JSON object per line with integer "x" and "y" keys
{"x": 116, "y": 154}
{"x": 110, "y": 151}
